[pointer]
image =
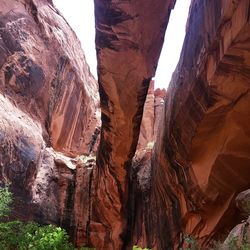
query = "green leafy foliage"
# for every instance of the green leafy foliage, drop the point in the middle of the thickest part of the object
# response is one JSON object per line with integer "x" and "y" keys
{"x": 5, "y": 201}
{"x": 19, "y": 235}
{"x": 245, "y": 246}
{"x": 232, "y": 243}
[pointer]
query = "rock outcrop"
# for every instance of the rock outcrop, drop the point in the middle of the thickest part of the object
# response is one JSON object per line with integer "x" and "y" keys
{"x": 140, "y": 174}
{"x": 243, "y": 202}
{"x": 159, "y": 100}
{"x": 201, "y": 157}
{"x": 128, "y": 43}
{"x": 48, "y": 109}
{"x": 239, "y": 237}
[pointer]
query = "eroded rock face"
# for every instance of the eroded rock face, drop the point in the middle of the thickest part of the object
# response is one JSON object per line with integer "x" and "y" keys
{"x": 43, "y": 70}
{"x": 152, "y": 113}
{"x": 140, "y": 175}
{"x": 201, "y": 158}
{"x": 186, "y": 183}
{"x": 147, "y": 124}
{"x": 48, "y": 109}
{"x": 48, "y": 187}
{"x": 128, "y": 42}
{"x": 159, "y": 101}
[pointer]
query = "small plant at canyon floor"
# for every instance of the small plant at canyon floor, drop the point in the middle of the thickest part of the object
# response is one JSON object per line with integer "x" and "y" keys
{"x": 139, "y": 248}
{"x": 150, "y": 145}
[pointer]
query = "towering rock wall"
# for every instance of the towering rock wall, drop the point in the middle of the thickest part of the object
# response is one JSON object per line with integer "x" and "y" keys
{"x": 48, "y": 103}
{"x": 128, "y": 42}
{"x": 43, "y": 70}
{"x": 201, "y": 158}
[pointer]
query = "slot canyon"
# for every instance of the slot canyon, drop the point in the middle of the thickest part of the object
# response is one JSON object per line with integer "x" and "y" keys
{"x": 115, "y": 161}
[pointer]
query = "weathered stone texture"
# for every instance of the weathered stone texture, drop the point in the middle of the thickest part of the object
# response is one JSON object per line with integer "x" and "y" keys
{"x": 43, "y": 70}
{"x": 48, "y": 109}
{"x": 201, "y": 157}
{"x": 128, "y": 43}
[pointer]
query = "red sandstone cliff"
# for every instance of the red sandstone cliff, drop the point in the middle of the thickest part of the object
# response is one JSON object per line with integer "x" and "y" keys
{"x": 48, "y": 103}
{"x": 201, "y": 155}
{"x": 43, "y": 70}
{"x": 129, "y": 38}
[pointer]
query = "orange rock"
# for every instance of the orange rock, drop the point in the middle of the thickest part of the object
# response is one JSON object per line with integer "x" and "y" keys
{"x": 49, "y": 108}
{"x": 129, "y": 37}
{"x": 201, "y": 158}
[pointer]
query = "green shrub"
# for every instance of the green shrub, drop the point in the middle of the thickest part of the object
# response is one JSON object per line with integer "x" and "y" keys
{"x": 216, "y": 245}
{"x": 29, "y": 236}
{"x": 32, "y": 236}
{"x": 5, "y": 201}
{"x": 245, "y": 246}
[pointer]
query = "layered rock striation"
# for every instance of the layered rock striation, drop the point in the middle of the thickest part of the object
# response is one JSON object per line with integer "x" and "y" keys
{"x": 49, "y": 109}
{"x": 201, "y": 155}
{"x": 128, "y": 43}
{"x": 44, "y": 72}
{"x": 152, "y": 111}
